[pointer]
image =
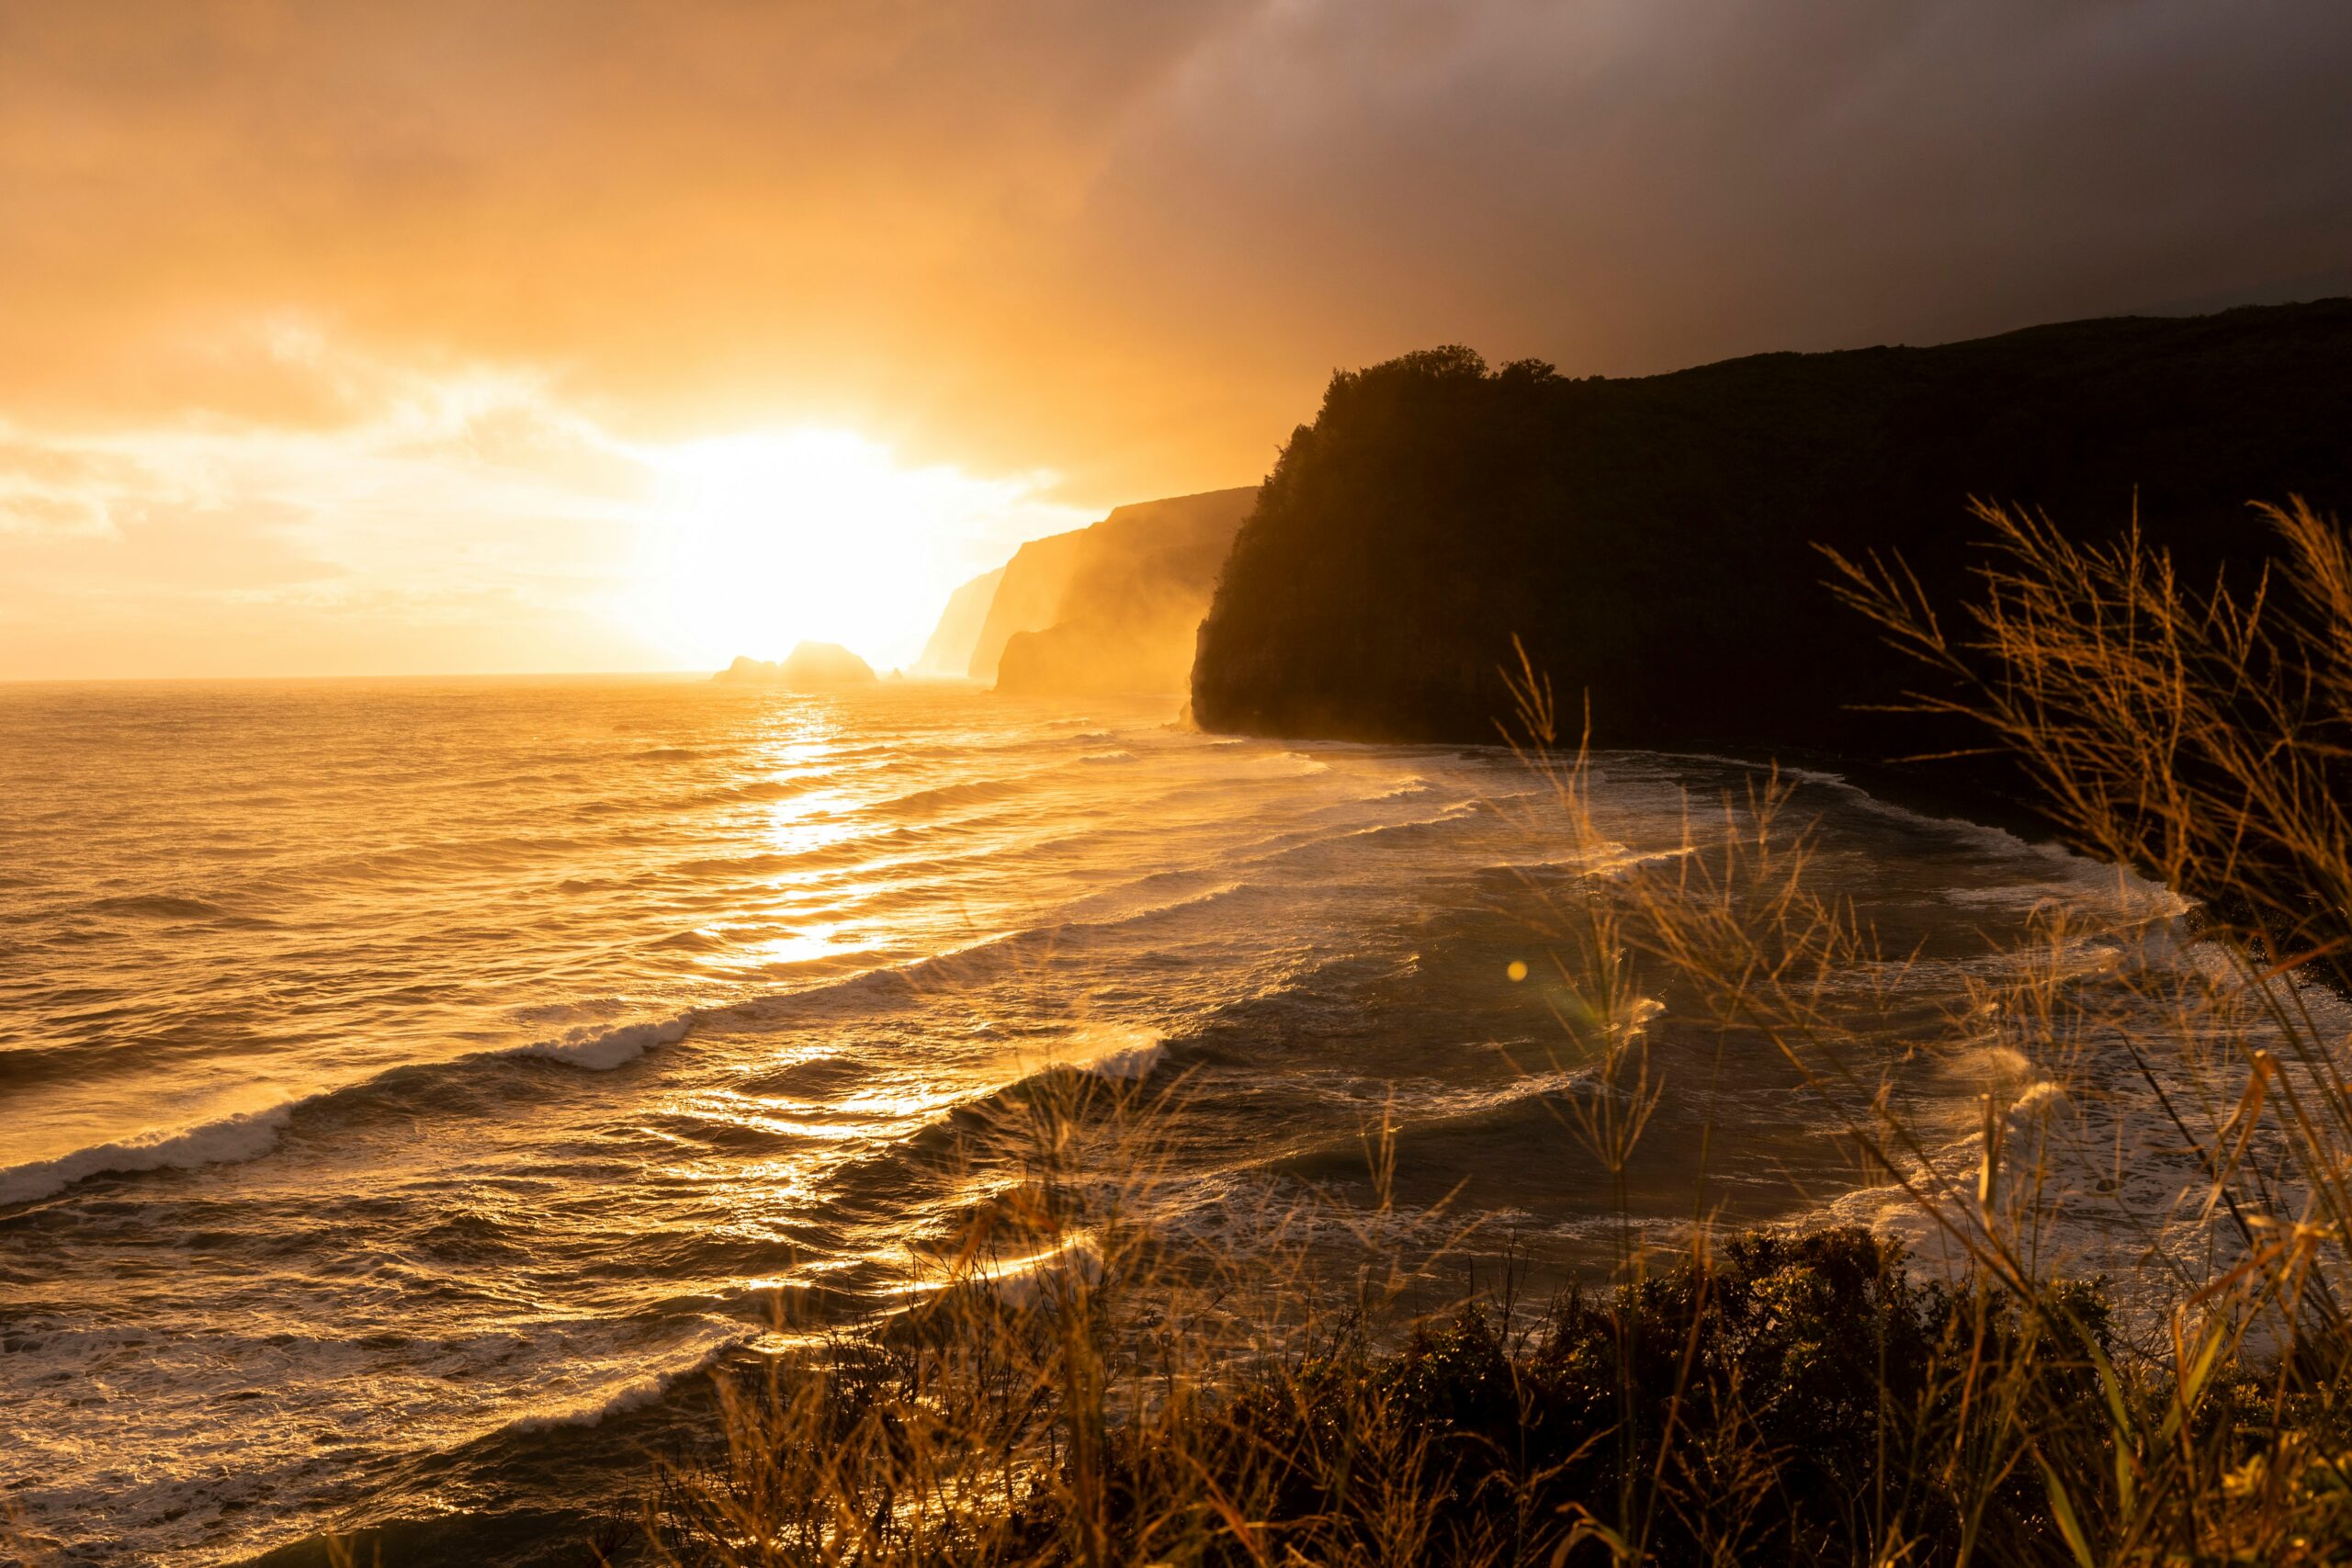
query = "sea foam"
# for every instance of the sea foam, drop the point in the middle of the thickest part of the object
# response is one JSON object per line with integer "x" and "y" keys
{"x": 250, "y": 1134}
{"x": 633, "y": 1394}
{"x": 1120, "y": 1052}
{"x": 226, "y": 1142}
{"x": 601, "y": 1051}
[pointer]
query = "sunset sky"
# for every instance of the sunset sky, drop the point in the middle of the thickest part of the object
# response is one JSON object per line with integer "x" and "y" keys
{"x": 370, "y": 339}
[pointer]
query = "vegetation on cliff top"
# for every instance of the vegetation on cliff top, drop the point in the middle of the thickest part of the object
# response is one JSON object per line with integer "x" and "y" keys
{"x": 1652, "y": 542}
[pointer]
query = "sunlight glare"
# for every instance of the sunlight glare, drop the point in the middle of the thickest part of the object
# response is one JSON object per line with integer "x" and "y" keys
{"x": 762, "y": 539}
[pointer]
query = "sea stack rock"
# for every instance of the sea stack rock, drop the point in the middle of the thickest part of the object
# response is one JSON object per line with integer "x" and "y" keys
{"x": 811, "y": 666}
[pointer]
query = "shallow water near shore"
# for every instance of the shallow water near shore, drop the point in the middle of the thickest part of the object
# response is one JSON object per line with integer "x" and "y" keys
{"x": 408, "y": 1086}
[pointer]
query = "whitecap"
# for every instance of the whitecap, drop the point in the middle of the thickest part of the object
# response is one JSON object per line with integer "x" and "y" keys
{"x": 229, "y": 1140}
{"x": 600, "y": 1051}
{"x": 1120, "y": 1052}
{"x": 633, "y": 1394}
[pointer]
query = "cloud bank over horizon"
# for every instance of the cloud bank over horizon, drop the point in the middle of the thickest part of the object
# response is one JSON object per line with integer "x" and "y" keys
{"x": 1077, "y": 254}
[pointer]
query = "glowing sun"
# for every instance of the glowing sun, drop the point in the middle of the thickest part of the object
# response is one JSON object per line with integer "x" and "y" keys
{"x": 760, "y": 540}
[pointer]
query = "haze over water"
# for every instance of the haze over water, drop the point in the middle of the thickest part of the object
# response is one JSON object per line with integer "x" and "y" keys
{"x": 407, "y": 1083}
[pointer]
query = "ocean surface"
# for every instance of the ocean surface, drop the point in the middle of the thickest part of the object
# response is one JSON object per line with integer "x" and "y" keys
{"x": 408, "y": 1088}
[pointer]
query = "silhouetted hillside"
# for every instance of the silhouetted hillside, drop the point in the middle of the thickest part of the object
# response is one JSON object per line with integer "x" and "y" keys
{"x": 1652, "y": 540}
{"x": 1129, "y": 611}
{"x": 949, "y": 651}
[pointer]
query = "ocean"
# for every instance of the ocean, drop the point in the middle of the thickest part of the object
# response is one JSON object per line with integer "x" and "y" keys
{"x": 408, "y": 1089}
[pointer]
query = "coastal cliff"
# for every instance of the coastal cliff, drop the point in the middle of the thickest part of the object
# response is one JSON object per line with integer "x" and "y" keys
{"x": 1129, "y": 608}
{"x": 1655, "y": 542}
{"x": 1028, "y": 597}
{"x": 1115, "y": 607}
{"x": 949, "y": 651}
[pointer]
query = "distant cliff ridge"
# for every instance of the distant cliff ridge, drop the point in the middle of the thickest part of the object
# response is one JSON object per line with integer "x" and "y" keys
{"x": 1653, "y": 540}
{"x": 1128, "y": 612}
{"x": 808, "y": 666}
{"x": 1115, "y": 606}
{"x": 949, "y": 651}
{"x": 1027, "y": 598}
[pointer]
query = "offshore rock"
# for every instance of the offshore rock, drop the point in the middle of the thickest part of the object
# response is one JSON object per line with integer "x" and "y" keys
{"x": 809, "y": 665}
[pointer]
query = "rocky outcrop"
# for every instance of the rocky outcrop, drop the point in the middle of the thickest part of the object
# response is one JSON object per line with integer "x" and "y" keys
{"x": 1654, "y": 541}
{"x": 811, "y": 666}
{"x": 953, "y": 640}
{"x": 1127, "y": 609}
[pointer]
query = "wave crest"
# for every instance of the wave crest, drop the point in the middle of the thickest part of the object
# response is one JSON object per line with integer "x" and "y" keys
{"x": 600, "y": 1051}
{"x": 232, "y": 1140}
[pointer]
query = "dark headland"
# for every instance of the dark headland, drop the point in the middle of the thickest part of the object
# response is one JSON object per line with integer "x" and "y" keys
{"x": 1656, "y": 542}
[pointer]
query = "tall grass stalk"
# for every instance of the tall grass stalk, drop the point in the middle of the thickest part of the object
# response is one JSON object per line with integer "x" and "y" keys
{"x": 2161, "y": 1103}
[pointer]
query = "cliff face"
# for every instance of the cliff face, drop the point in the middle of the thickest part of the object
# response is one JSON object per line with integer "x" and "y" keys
{"x": 1652, "y": 540}
{"x": 949, "y": 651}
{"x": 1129, "y": 610}
{"x": 1027, "y": 597}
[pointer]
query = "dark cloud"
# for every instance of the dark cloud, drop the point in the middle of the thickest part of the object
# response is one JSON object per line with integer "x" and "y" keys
{"x": 1127, "y": 240}
{"x": 1637, "y": 186}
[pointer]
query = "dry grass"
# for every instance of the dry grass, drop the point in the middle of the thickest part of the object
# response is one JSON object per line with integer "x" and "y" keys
{"x": 1075, "y": 1383}
{"x": 1073, "y": 1378}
